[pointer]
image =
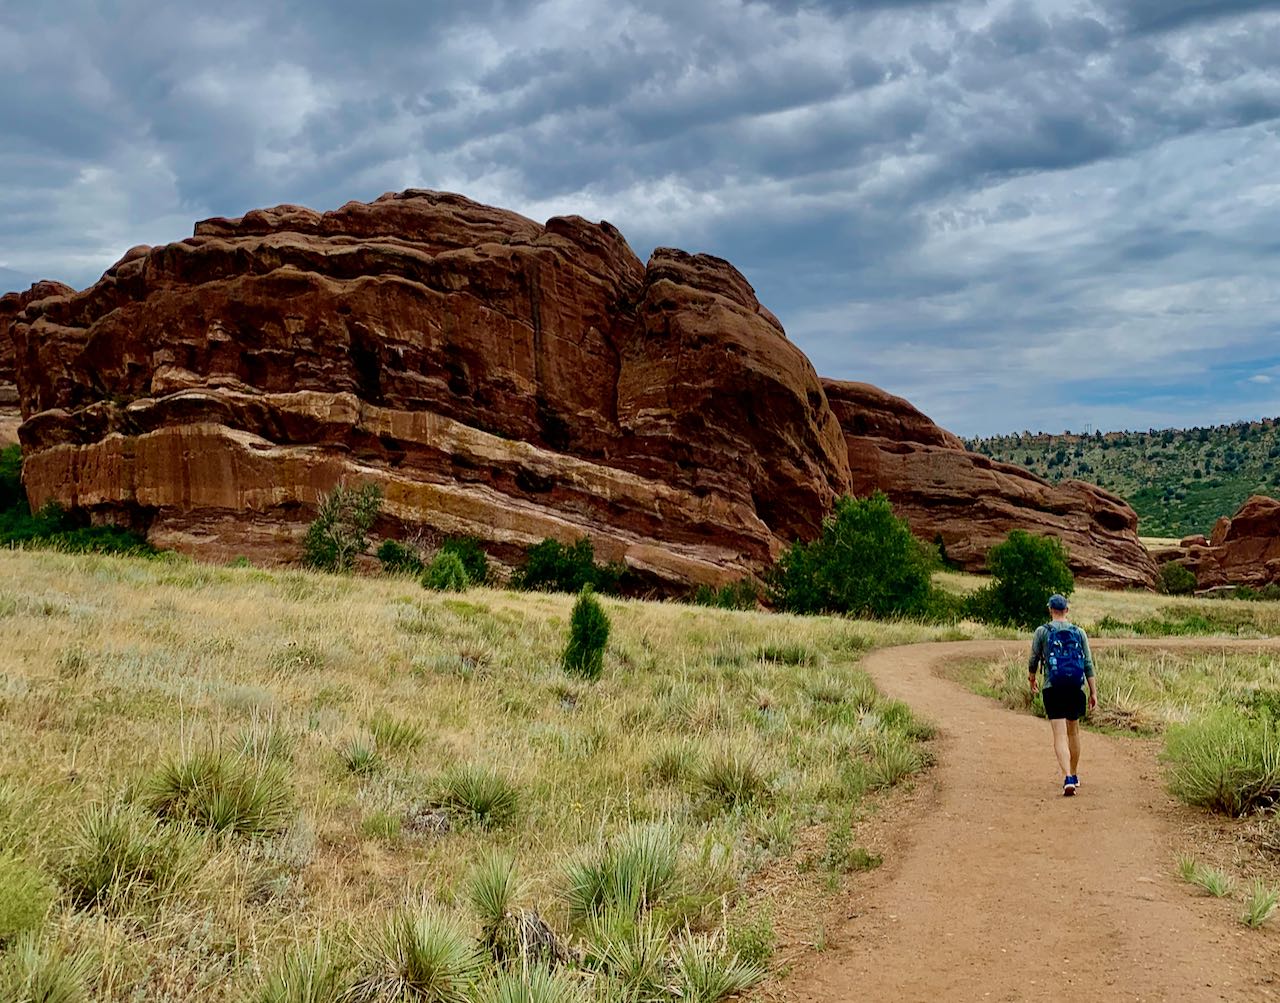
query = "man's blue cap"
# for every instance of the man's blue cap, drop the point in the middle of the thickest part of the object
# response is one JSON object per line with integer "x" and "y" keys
{"x": 1057, "y": 602}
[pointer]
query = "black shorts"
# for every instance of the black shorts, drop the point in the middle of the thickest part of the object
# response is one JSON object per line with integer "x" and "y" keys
{"x": 1063, "y": 701}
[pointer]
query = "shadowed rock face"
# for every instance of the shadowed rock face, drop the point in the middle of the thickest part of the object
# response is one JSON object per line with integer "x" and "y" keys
{"x": 970, "y": 501}
{"x": 496, "y": 377}
{"x": 11, "y": 305}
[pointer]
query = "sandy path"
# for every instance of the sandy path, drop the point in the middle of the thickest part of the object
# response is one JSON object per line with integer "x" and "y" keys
{"x": 1005, "y": 890}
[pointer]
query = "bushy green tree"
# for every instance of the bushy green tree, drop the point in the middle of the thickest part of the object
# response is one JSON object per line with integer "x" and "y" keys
{"x": 472, "y": 556}
{"x": 340, "y": 532}
{"x": 588, "y": 635}
{"x": 550, "y": 566}
{"x": 1025, "y": 571}
{"x": 866, "y": 563}
{"x": 742, "y": 594}
{"x": 446, "y": 573}
{"x": 399, "y": 559}
{"x": 1175, "y": 579}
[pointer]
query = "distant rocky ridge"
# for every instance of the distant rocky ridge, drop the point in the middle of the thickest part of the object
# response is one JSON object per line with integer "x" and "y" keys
{"x": 496, "y": 377}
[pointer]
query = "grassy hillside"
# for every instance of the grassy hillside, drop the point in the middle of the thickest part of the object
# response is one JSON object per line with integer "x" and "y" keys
{"x": 209, "y": 770}
{"x": 1179, "y": 481}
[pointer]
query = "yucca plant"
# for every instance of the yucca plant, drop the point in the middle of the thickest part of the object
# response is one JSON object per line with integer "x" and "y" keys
{"x": 491, "y": 888}
{"x": 1217, "y": 883}
{"x": 262, "y": 740}
{"x": 421, "y": 954}
{"x": 119, "y": 856}
{"x": 478, "y": 794}
{"x": 531, "y": 984}
{"x": 393, "y": 735}
{"x": 310, "y": 973}
{"x": 672, "y": 762}
{"x": 894, "y": 758}
{"x": 26, "y": 895}
{"x": 222, "y": 792}
{"x": 361, "y": 756}
{"x": 706, "y": 972}
{"x": 1226, "y": 762}
{"x": 630, "y": 873}
{"x": 1260, "y": 903}
{"x": 731, "y": 779}
{"x": 630, "y": 950}
{"x": 31, "y": 972}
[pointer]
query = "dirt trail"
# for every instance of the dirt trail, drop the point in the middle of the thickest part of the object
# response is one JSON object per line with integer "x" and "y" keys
{"x": 1005, "y": 890}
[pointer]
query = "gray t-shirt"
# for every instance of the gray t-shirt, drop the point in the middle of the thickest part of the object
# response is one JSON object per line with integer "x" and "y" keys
{"x": 1038, "y": 645}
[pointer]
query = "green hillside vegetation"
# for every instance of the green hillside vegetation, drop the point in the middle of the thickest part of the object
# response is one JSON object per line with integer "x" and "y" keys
{"x": 1179, "y": 481}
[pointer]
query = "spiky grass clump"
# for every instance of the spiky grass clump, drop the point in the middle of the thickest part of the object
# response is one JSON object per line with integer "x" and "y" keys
{"x": 1226, "y": 762}
{"x": 894, "y": 758}
{"x": 26, "y": 895}
{"x": 223, "y": 793}
{"x": 119, "y": 857}
{"x": 531, "y": 984}
{"x": 31, "y": 972}
{"x": 480, "y": 795}
{"x": 361, "y": 756}
{"x": 492, "y": 888}
{"x": 732, "y": 780}
{"x": 421, "y": 954}
{"x": 630, "y": 873}
{"x": 707, "y": 972}
{"x": 310, "y": 973}
{"x": 393, "y": 735}
{"x": 674, "y": 762}
{"x": 262, "y": 739}
{"x": 588, "y": 636}
{"x": 1212, "y": 881}
{"x": 631, "y": 951}
{"x": 1260, "y": 903}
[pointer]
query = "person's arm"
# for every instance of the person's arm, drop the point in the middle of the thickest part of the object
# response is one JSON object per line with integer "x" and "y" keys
{"x": 1088, "y": 672}
{"x": 1037, "y": 654}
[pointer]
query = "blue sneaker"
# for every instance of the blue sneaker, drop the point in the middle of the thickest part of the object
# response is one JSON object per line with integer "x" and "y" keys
{"x": 1069, "y": 785}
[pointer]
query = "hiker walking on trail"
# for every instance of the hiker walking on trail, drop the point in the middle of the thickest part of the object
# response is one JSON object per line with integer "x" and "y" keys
{"x": 1063, "y": 649}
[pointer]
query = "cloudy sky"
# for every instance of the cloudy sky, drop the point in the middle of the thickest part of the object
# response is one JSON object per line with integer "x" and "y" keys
{"x": 1028, "y": 214}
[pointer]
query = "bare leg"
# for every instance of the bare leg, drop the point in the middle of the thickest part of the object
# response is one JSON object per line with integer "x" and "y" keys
{"x": 1073, "y": 744}
{"x": 1061, "y": 746}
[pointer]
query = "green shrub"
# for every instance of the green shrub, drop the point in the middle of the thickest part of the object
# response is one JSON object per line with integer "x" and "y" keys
{"x": 1225, "y": 762}
{"x": 1175, "y": 579}
{"x": 32, "y": 972}
{"x": 743, "y": 594}
{"x": 478, "y": 795}
{"x": 398, "y": 559}
{"x": 419, "y": 955}
{"x": 1026, "y": 570}
{"x": 26, "y": 895}
{"x": 588, "y": 636}
{"x": 310, "y": 973}
{"x": 865, "y": 563}
{"x": 120, "y": 857}
{"x": 550, "y": 566}
{"x": 473, "y": 558}
{"x": 12, "y": 494}
{"x": 446, "y": 573}
{"x": 340, "y": 532}
{"x": 223, "y": 793}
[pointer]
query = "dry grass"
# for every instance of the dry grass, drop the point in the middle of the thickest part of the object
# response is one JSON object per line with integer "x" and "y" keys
{"x": 113, "y": 667}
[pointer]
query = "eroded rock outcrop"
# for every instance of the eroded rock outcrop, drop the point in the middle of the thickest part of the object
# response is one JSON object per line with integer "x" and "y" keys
{"x": 970, "y": 501}
{"x": 1243, "y": 550}
{"x": 12, "y": 304}
{"x": 497, "y": 377}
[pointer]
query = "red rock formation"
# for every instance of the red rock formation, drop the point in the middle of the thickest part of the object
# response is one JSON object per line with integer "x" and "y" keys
{"x": 971, "y": 501}
{"x": 496, "y": 377}
{"x": 11, "y": 305}
{"x": 1243, "y": 550}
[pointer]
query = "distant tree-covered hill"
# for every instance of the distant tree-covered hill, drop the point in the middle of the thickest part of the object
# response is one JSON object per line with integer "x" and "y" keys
{"x": 1179, "y": 481}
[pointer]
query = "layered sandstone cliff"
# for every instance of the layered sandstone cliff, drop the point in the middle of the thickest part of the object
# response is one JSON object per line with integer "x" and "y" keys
{"x": 970, "y": 502}
{"x": 11, "y": 305}
{"x": 497, "y": 377}
{"x": 1243, "y": 550}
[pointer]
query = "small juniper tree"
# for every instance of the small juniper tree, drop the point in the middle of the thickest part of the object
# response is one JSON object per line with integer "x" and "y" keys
{"x": 588, "y": 635}
{"x": 446, "y": 573}
{"x": 1025, "y": 570}
{"x": 340, "y": 532}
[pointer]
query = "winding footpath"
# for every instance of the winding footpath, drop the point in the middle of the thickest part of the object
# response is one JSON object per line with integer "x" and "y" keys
{"x": 1005, "y": 890}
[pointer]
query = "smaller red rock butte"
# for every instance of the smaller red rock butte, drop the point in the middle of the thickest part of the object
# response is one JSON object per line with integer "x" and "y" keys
{"x": 1243, "y": 550}
{"x": 497, "y": 378}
